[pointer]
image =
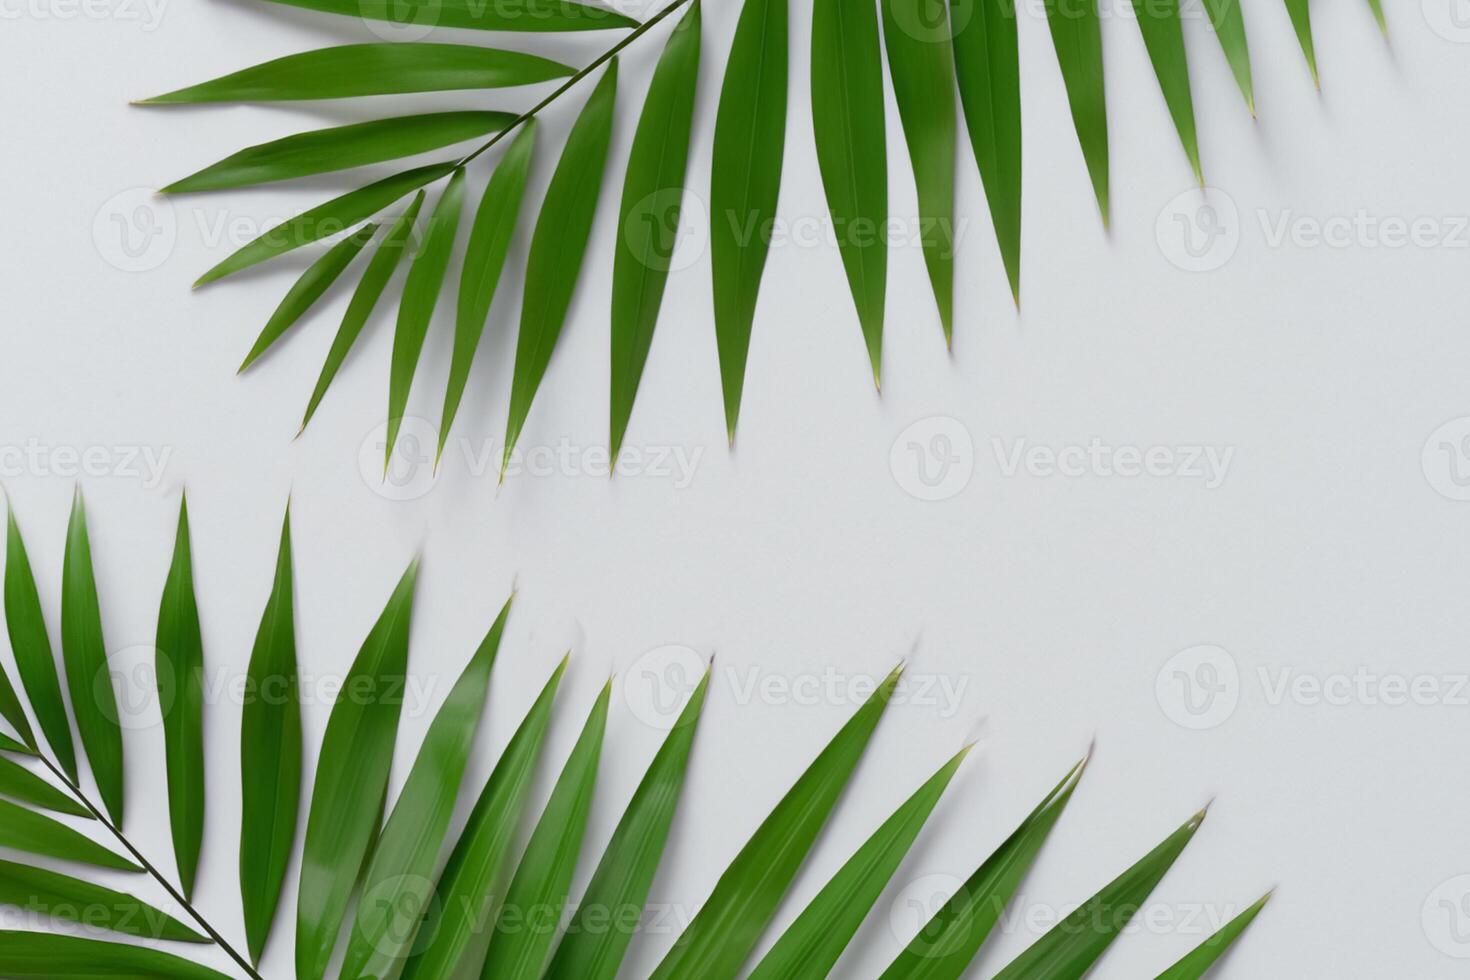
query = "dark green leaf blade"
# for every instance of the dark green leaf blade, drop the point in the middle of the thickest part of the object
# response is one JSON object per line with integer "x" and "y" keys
{"x": 1163, "y": 36}
{"x": 84, "y": 652}
{"x": 852, "y": 153}
{"x": 731, "y": 921}
{"x": 8, "y": 744}
{"x": 325, "y": 220}
{"x": 456, "y": 925}
{"x": 745, "y": 183}
{"x": 382, "y": 68}
{"x": 1301, "y": 22}
{"x": 324, "y": 151}
{"x": 179, "y": 667}
{"x": 369, "y": 289}
{"x": 653, "y": 192}
{"x": 948, "y": 942}
{"x": 921, "y": 64}
{"x": 420, "y": 296}
{"x": 1076, "y": 33}
{"x": 591, "y": 949}
{"x": 503, "y": 15}
{"x": 314, "y": 282}
{"x": 521, "y": 942}
{"x": 64, "y": 897}
{"x": 1229, "y": 24}
{"x": 33, "y": 833}
{"x": 19, "y": 783}
{"x": 811, "y": 946}
{"x": 1198, "y": 961}
{"x": 1073, "y": 945}
{"x": 270, "y": 755}
{"x": 31, "y": 645}
{"x": 52, "y": 956}
{"x": 557, "y": 248}
{"x": 352, "y": 780}
{"x": 495, "y": 222}
{"x": 399, "y": 878}
{"x": 988, "y": 68}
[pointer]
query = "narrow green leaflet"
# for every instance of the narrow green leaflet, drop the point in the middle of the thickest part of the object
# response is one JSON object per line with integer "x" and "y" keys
{"x": 852, "y": 152}
{"x": 19, "y": 783}
{"x": 528, "y": 921}
{"x": 502, "y": 15}
{"x": 325, "y": 220}
{"x": 1229, "y": 24}
{"x": 420, "y": 295}
{"x": 84, "y": 653}
{"x": 1163, "y": 35}
{"x": 612, "y": 906}
{"x": 1377, "y": 7}
{"x": 270, "y": 755}
{"x": 341, "y": 148}
{"x": 988, "y": 68}
{"x": 315, "y": 281}
{"x": 11, "y": 710}
{"x": 1198, "y": 961}
{"x": 399, "y": 878}
{"x": 1076, "y": 943}
{"x": 1077, "y": 35}
{"x": 369, "y": 289}
{"x": 457, "y": 923}
{"x": 8, "y": 744}
{"x": 33, "y": 833}
{"x": 948, "y": 942}
{"x": 179, "y": 667}
{"x": 352, "y": 780}
{"x": 653, "y": 193}
{"x": 64, "y": 897}
{"x": 31, "y": 645}
{"x": 811, "y": 946}
{"x": 52, "y": 956}
{"x": 731, "y": 921}
{"x": 382, "y": 68}
{"x": 745, "y": 182}
{"x": 921, "y": 64}
{"x": 495, "y": 222}
{"x": 557, "y": 247}
{"x": 1301, "y": 21}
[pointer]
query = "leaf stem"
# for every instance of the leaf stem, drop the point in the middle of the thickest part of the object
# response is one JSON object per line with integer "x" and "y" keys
{"x": 561, "y": 90}
{"x": 147, "y": 866}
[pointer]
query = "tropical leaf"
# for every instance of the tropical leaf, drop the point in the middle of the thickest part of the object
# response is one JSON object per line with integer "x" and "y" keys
{"x": 503, "y": 15}
{"x": 1163, "y": 35}
{"x": 745, "y": 183}
{"x": 1377, "y": 8}
{"x": 1229, "y": 24}
{"x": 1198, "y": 961}
{"x": 64, "y": 897}
{"x": 34, "y": 833}
{"x": 88, "y": 677}
{"x": 847, "y": 121}
{"x": 8, "y": 744}
{"x": 31, "y": 645}
{"x": 19, "y": 783}
{"x": 916, "y": 34}
{"x": 55, "y": 957}
{"x": 1076, "y": 34}
{"x": 653, "y": 193}
{"x": 1301, "y": 22}
{"x": 352, "y": 780}
{"x": 382, "y": 68}
{"x": 557, "y": 248}
{"x": 270, "y": 755}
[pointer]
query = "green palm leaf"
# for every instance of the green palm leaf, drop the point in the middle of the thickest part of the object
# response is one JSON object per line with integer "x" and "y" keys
{"x": 33, "y": 657}
{"x": 1301, "y": 22}
{"x": 8, "y": 744}
{"x": 1163, "y": 35}
{"x": 1198, "y": 961}
{"x": 24, "y": 955}
{"x": 653, "y": 193}
{"x": 270, "y": 755}
{"x": 352, "y": 780}
{"x": 84, "y": 653}
{"x": 557, "y": 248}
{"x": 33, "y": 833}
{"x": 383, "y": 68}
{"x": 503, "y": 15}
{"x": 19, "y": 783}
{"x": 1076, "y": 34}
{"x": 64, "y": 897}
{"x": 847, "y": 121}
{"x": 1229, "y": 24}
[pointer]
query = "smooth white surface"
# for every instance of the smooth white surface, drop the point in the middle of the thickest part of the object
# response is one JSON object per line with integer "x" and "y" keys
{"x": 1055, "y": 603}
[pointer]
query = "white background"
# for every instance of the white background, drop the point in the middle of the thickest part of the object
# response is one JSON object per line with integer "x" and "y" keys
{"x": 1334, "y": 544}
